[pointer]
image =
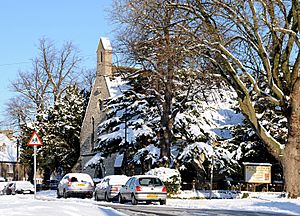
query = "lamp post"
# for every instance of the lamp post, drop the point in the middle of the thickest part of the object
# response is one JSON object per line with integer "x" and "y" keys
{"x": 214, "y": 144}
{"x": 124, "y": 167}
{"x": 17, "y": 168}
{"x": 211, "y": 176}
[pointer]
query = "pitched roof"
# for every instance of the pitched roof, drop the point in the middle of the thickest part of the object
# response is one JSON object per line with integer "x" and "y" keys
{"x": 9, "y": 151}
{"x": 105, "y": 43}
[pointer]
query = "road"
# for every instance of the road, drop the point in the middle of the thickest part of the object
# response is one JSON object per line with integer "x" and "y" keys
{"x": 174, "y": 207}
{"x": 154, "y": 210}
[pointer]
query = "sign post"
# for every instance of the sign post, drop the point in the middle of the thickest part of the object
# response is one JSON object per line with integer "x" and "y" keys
{"x": 34, "y": 141}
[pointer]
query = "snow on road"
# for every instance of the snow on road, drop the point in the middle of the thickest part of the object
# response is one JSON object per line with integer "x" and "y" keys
{"x": 46, "y": 204}
{"x": 26, "y": 205}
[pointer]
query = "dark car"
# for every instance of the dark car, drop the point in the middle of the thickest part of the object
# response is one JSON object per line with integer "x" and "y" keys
{"x": 53, "y": 184}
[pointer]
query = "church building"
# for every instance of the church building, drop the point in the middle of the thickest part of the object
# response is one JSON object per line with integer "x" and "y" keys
{"x": 89, "y": 158}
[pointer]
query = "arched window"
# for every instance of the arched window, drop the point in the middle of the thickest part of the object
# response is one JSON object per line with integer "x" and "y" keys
{"x": 100, "y": 105}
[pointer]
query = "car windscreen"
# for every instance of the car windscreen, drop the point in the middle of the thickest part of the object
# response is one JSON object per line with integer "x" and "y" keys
{"x": 150, "y": 181}
{"x": 81, "y": 178}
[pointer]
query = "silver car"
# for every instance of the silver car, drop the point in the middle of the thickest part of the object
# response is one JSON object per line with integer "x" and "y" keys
{"x": 75, "y": 185}
{"x": 109, "y": 186}
{"x": 143, "y": 188}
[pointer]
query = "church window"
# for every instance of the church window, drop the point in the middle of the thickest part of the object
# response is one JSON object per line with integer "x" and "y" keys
{"x": 100, "y": 105}
{"x": 93, "y": 133}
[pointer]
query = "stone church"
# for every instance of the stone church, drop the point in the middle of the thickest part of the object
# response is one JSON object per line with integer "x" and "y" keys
{"x": 88, "y": 161}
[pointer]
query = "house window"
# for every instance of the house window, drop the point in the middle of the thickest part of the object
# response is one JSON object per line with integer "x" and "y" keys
{"x": 2, "y": 147}
{"x": 93, "y": 133}
{"x": 10, "y": 169}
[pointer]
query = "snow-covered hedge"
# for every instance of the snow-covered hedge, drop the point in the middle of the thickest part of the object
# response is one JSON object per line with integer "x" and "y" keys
{"x": 170, "y": 177}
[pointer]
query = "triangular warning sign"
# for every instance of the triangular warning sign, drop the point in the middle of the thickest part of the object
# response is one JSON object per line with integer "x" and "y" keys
{"x": 35, "y": 140}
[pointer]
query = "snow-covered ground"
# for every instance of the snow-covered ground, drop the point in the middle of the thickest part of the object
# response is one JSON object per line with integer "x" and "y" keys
{"x": 46, "y": 204}
{"x": 256, "y": 202}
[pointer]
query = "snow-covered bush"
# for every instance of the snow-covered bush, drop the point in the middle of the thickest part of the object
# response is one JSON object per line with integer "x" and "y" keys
{"x": 170, "y": 177}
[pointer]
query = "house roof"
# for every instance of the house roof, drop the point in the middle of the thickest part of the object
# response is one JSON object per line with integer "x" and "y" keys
{"x": 8, "y": 149}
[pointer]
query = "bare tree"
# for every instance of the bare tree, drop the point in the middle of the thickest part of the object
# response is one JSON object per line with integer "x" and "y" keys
{"x": 87, "y": 79}
{"x": 149, "y": 38}
{"x": 254, "y": 45}
{"x": 52, "y": 71}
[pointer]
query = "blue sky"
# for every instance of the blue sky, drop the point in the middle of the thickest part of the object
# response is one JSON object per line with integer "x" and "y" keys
{"x": 23, "y": 23}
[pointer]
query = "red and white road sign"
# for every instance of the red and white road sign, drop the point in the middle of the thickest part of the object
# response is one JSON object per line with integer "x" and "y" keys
{"x": 35, "y": 140}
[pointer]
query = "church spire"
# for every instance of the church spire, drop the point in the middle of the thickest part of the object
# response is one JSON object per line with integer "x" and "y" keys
{"x": 104, "y": 57}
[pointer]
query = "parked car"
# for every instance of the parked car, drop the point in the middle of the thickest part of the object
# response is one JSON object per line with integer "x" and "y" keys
{"x": 143, "y": 188}
{"x": 8, "y": 189}
{"x": 52, "y": 184}
{"x": 75, "y": 185}
{"x": 2, "y": 187}
{"x": 109, "y": 186}
{"x": 20, "y": 187}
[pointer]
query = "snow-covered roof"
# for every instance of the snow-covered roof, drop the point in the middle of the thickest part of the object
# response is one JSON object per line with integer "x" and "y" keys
{"x": 116, "y": 86}
{"x": 106, "y": 43}
{"x": 94, "y": 160}
{"x": 8, "y": 149}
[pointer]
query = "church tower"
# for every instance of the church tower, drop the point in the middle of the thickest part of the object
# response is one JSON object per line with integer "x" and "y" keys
{"x": 104, "y": 58}
{"x": 94, "y": 113}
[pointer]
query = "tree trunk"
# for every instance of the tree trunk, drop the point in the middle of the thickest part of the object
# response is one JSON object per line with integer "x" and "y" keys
{"x": 166, "y": 128}
{"x": 291, "y": 157}
{"x": 165, "y": 139}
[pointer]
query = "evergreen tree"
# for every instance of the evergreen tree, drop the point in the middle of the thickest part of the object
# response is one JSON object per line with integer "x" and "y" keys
{"x": 132, "y": 122}
{"x": 59, "y": 127}
{"x": 208, "y": 126}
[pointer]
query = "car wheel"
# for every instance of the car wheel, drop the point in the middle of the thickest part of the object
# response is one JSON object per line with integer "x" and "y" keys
{"x": 133, "y": 200}
{"x": 162, "y": 202}
{"x": 106, "y": 198}
{"x": 65, "y": 194}
{"x": 96, "y": 197}
{"x": 57, "y": 193}
{"x": 120, "y": 199}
